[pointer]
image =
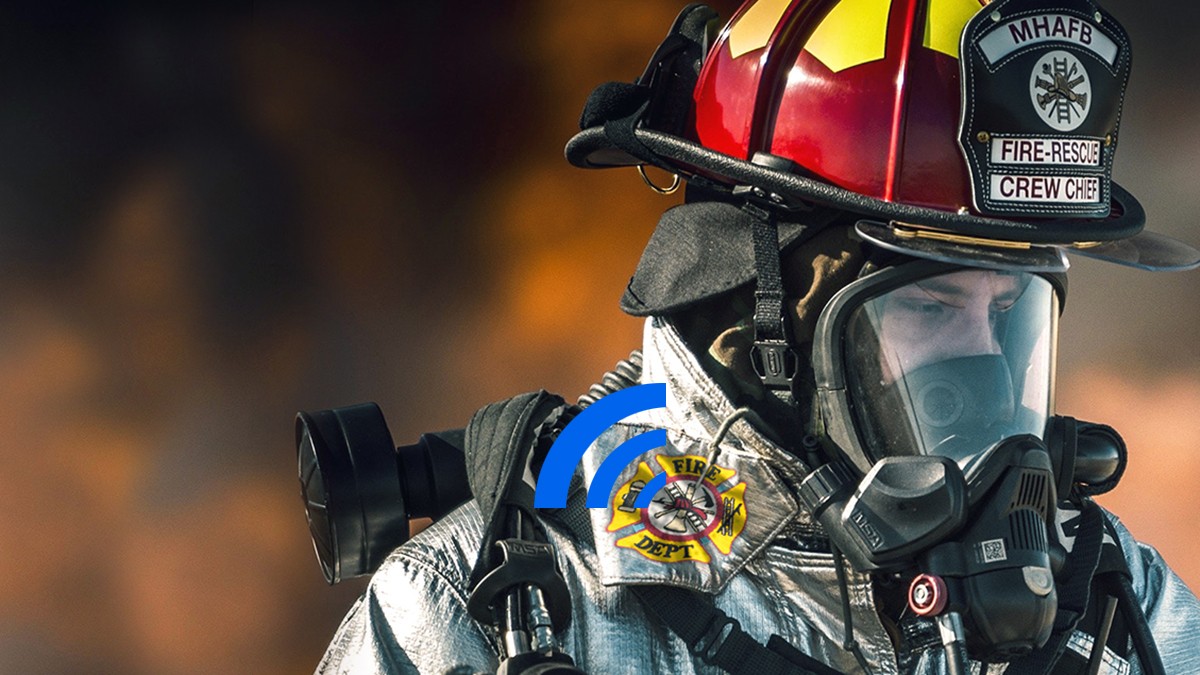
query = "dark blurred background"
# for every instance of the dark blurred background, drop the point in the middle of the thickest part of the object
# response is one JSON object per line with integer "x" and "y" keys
{"x": 211, "y": 219}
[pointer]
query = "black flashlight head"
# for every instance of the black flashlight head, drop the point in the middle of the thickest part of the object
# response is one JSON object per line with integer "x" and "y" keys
{"x": 351, "y": 489}
{"x": 360, "y": 490}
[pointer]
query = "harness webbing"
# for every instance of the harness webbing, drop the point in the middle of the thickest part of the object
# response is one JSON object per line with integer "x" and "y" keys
{"x": 719, "y": 640}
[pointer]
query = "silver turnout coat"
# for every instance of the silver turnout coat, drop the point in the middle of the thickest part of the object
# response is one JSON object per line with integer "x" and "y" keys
{"x": 748, "y": 548}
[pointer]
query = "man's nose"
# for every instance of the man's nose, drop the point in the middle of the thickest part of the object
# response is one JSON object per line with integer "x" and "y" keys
{"x": 973, "y": 331}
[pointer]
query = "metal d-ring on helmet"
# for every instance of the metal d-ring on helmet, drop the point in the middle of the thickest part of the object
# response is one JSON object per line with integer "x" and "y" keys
{"x": 975, "y": 138}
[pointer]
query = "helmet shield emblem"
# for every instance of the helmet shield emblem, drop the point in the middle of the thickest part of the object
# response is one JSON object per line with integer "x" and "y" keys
{"x": 1060, "y": 91}
{"x": 1042, "y": 87}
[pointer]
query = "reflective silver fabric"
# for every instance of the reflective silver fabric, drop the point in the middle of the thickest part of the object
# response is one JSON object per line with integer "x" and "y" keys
{"x": 413, "y": 619}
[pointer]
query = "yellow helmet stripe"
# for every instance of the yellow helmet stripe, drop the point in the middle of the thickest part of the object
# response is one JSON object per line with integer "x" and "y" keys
{"x": 854, "y": 32}
{"x": 944, "y": 23}
{"x": 754, "y": 28}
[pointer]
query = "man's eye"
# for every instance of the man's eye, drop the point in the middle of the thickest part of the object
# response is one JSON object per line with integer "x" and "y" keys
{"x": 924, "y": 308}
{"x": 932, "y": 308}
{"x": 1003, "y": 304}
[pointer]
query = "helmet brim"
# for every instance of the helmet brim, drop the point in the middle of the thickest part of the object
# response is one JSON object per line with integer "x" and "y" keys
{"x": 592, "y": 149}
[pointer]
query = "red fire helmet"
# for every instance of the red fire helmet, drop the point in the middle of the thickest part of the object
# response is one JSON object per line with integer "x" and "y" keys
{"x": 993, "y": 121}
{"x": 863, "y": 94}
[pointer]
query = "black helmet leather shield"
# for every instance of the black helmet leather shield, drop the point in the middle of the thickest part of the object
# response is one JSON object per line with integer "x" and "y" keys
{"x": 1042, "y": 88}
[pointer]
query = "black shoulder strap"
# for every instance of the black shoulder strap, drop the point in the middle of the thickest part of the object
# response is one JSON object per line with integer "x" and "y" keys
{"x": 500, "y": 443}
{"x": 1112, "y": 590}
{"x": 516, "y": 585}
{"x": 499, "y": 440}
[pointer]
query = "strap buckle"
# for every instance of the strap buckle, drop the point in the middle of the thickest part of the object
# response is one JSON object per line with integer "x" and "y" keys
{"x": 720, "y": 630}
{"x": 775, "y": 362}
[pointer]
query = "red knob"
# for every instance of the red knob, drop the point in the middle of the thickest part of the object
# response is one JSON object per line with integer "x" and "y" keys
{"x": 927, "y": 595}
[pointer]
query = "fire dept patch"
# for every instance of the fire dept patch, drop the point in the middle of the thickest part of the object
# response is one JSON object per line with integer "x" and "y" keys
{"x": 697, "y": 510}
{"x": 1042, "y": 87}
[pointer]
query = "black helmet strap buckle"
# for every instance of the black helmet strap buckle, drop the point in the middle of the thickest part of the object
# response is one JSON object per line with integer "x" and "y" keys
{"x": 775, "y": 362}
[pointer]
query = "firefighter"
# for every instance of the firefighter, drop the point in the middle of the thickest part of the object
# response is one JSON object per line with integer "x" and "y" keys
{"x": 853, "y": 321}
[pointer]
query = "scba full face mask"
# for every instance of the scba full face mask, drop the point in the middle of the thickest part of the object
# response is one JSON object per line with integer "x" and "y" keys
{"x": 949, "y": 364}
{"x": 935, "y": 383}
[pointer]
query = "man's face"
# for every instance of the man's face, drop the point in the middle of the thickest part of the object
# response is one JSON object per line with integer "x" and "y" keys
{"x": 950, "y": 364}
{"x": 944, "y": 317}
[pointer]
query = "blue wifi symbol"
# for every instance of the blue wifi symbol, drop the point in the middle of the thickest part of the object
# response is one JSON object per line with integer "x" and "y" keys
{"x": 568, "y": 448}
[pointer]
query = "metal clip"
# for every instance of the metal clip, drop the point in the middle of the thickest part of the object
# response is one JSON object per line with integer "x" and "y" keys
{"x": 525, "y": 562}
{"x": 660, "y": 190}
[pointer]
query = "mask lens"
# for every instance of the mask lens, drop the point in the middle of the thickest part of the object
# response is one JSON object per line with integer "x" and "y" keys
{"x": 952, "y": 364}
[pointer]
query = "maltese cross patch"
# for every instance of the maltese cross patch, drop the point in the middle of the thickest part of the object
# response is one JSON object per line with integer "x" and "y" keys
{"x": 699, "y": 511}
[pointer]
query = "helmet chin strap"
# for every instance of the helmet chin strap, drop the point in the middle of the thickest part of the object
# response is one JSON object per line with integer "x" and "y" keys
{"x": 773, "y": 355}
